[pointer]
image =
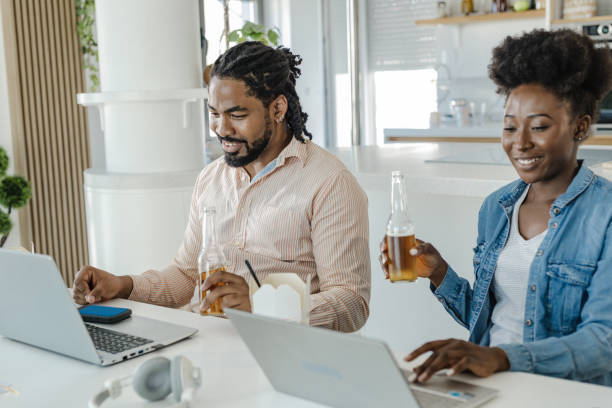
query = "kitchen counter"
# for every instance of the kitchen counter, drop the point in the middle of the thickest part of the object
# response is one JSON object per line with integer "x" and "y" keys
{"x": 368, "y": 163}
{"x": 490, "y": 132}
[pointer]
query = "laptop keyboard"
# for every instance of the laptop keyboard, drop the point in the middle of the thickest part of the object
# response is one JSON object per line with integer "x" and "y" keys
{"x": 112, "y": 341}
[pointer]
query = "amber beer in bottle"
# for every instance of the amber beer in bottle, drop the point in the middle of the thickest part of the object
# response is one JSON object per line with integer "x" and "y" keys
{"x": 400, "y": 233}
{"x": 211, "y": 259}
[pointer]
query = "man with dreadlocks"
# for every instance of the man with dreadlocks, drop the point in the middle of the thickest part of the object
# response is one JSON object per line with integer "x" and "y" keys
{"x": 283, "y": 203}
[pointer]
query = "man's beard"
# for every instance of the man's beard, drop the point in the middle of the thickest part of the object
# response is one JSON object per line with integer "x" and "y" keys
{"x": 252, "y": 152}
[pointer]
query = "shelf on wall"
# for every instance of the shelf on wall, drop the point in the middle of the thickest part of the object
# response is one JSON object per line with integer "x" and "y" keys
{"x": 583, "y": 20}
{"x": 478, "y": 18}
{"x": 101, "y": 98}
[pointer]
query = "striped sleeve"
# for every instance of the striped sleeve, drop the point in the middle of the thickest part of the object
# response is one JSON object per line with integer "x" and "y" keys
{"x": 341, "y": 251}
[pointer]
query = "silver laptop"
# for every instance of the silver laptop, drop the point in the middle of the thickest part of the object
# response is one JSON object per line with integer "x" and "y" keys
{"x": 36, "y": 308}
{"x": 343, "y": 370}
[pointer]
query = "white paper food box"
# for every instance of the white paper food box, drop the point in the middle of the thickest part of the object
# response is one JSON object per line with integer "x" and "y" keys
{"x": 282, "y": 296}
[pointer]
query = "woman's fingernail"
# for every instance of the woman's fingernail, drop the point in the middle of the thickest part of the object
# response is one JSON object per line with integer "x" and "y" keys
{"x": 422, "y": 377}
{"x": 413, "y": 251}
{"x": 450, "y": 372}
{"x": 412, "y": 377}
{"x": 90, "y": 299}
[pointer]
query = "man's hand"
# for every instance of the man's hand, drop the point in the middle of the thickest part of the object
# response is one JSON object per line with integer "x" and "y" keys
{"x": 459, "y": 355}
{"x": 93, "y": 285}
{"x": 232, "y": 289}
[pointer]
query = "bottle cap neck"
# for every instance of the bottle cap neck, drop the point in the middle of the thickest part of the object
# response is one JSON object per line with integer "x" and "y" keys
{"x": 209, "y": 234}
{"x": 398, "y": 193}
{"x": 399, "y": 223}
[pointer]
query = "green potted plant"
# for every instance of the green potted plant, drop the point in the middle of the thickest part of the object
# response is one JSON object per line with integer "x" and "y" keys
{"x": 249, "y": 32}
{"x": 15, "y": 192}
{"x": 254, "y": 32}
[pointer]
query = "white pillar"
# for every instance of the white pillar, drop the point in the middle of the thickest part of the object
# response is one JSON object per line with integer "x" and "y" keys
{"x": 151, "y": 113}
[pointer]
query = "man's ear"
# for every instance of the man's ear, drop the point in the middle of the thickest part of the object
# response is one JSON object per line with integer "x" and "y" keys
{"x": 278, "y": 108}
{"x": 582, "y": 128}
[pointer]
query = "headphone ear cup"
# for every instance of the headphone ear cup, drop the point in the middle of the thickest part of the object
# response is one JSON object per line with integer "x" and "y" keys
{"x": 176, "y": 379}
{"x": 152, "y": 379}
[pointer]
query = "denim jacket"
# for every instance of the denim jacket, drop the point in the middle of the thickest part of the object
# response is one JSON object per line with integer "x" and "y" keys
{"x": 567, "y": 330}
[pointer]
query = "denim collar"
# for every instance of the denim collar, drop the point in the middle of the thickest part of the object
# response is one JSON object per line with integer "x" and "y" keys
{"x": 579, "y": 183}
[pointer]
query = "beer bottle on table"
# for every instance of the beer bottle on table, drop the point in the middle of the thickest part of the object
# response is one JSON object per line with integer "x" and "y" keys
{"x": 400, "y": 233}
{"x": 210, "y": 260}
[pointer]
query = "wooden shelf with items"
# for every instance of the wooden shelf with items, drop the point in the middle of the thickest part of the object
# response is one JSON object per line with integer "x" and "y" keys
{"x": 557, "y": 12}
{"x": 478, "y": 18}
{"x": 555, "y": 6}
{"x": 595, "y": 19}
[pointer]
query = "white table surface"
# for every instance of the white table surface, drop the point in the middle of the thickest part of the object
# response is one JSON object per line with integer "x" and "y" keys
{"x": 231, "y": 377}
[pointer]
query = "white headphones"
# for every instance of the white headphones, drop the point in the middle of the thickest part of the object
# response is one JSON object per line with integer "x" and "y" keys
{"x": 154, "y": 380}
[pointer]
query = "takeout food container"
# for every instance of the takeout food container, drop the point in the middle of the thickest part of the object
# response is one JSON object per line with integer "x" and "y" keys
{"x": 282, "y": 296}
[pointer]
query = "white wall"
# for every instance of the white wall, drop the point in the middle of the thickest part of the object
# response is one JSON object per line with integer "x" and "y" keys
{"x": 6, "y": 140}
{"x": 468, "y": 47}
{"x": 466, "y": 50}
{"x": 300, "y": 24}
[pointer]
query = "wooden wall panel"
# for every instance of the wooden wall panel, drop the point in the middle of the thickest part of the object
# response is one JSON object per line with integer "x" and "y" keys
{"x": 50, "y": 129}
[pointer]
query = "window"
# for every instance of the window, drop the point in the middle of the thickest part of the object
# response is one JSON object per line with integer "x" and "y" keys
{"x": 401, "y": 56}
{"x": 239, "y": 12}
{"x": 398, "y": 78}
{"x": 404, "y": 99}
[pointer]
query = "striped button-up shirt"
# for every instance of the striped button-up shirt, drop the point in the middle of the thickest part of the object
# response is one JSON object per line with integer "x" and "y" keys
{"x": 307, "y": 215}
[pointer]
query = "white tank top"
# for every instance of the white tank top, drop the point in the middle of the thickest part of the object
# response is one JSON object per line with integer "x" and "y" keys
{"x": 510, "y": 282}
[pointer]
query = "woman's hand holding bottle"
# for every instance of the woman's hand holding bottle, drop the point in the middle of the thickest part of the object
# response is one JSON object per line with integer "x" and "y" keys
{"x": 429, "y": 262}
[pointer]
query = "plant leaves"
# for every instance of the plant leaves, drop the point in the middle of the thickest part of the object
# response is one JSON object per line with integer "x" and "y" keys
{"x": 15, "y": 191}
{"x": 234, "y": 36}
{"x": 248, "y": 28}
{"x": 85, "y": 12}
{"x": 5, "y": 223}
{"x": 4, "y": 162}
{"x": 273, "y": 36}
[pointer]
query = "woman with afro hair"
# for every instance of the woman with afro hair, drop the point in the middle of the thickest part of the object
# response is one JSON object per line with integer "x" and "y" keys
{"x": 541, "y": 301}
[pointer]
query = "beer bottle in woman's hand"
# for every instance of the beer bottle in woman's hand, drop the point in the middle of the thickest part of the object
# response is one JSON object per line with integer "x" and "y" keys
{"x": 402, "y": 256}
{"x": 400, "y": 234}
